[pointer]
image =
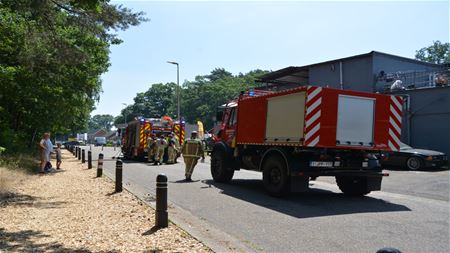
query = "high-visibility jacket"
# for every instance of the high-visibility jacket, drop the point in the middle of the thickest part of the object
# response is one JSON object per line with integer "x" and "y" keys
{"x": 161, "y": 143}
{"x": 192, "y": 148}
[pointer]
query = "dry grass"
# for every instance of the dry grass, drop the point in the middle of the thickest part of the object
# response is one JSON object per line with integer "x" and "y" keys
{"x": 9, "y": 181}
{"x": 5, "y": 179}
{"x": 23, "y": 162}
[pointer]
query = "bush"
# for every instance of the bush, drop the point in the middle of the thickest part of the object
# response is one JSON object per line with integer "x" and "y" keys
{"x": 16, "y": 142}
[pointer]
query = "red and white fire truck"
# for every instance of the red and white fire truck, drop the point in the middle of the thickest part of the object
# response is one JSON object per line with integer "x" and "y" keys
{"x": 135, "y": 135}
{"x": 295, "y": 135}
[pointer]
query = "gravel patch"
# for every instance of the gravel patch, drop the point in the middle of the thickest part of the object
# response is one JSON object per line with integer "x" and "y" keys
{"x": 72, "y": 211}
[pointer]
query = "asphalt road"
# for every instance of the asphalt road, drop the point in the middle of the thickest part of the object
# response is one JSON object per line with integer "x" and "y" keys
{"x": 411, "y": 213}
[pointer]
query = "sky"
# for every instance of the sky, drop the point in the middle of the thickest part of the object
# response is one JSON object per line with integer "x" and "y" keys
{"x": 242, "y": 36}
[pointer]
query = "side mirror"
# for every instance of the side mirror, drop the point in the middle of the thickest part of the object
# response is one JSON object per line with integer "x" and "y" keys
{"x": 219, "y": 116}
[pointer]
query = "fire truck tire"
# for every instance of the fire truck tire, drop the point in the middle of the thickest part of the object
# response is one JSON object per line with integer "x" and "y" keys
{"x": 275, "y": 176}
{"x": 353, "y": 186}
{"x": 221, "y": 171}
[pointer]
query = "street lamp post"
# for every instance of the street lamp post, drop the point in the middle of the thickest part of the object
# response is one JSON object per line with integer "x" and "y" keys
{"x": 125, "y": 113}
{"x": 178, "y": 88}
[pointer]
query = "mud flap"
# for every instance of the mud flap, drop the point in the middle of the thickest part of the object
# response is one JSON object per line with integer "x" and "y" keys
{"x": 299, "y": 183}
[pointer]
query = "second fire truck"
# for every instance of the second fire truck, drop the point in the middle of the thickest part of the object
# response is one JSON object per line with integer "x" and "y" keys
{"x": 295, "y": 135}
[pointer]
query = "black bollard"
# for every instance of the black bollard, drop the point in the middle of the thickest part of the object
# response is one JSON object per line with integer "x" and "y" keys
{"x": 161, "y": 215}
{"x": 79, "y": 153}
{"x": 76, "y": 151}
{"x": 83, "y": 156}
{"x": 100, "y": 165}
{"x": 89, "y": 160}
{"x": 118, "y": 175}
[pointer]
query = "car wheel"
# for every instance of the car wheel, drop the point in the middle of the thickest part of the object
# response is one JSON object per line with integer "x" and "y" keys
{"x": 414, "y": 163}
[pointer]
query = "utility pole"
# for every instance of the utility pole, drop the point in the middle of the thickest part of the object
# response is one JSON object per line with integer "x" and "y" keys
{"x": 178, "y": 88}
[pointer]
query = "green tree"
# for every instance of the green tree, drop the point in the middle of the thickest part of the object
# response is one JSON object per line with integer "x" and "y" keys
{"x": 128, "y": 112}
{"x": 438, "y": 53}
{"x": 52, "y": 53}
{"x": 101, "y": 121}
{"x": 159, "y": 100}
{"x": 200, "y": 98}
{"x": 218, "y": 73}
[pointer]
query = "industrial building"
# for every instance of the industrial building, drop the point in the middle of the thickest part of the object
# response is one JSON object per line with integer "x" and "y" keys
{"x": 424, "y": 87}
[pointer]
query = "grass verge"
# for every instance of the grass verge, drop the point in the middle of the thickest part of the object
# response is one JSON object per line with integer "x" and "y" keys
{"x": 24, "y": 162}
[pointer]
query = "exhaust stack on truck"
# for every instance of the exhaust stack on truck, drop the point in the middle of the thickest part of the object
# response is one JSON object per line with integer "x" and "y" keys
{"x": 298, "y": 134}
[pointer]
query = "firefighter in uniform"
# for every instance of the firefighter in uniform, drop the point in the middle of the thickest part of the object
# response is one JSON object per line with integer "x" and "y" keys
{"x": 151, "y": 143}
{"x": 192, "y": 150}
{"x": 172, "y": 150}
{"x": 161, "y": 145}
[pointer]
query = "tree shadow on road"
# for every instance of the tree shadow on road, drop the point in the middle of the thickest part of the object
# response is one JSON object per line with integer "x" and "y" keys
{"x": 25, "y": 241}
{"x": 315, "y": 203}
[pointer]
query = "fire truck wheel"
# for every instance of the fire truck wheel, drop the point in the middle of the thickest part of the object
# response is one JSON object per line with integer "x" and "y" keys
{"x": 275, "y": 177}
{"x": 353, "y": 186}
{"x": 221, "y": 171}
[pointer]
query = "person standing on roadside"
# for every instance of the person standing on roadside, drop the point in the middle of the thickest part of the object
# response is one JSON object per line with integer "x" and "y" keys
{"x": 192, "y": 150}
{"x": 58, "y": 156}
{"x": 44, "y": 152}
{"x": 49, "y": 153}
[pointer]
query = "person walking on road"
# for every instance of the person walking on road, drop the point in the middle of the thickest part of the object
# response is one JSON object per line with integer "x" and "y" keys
{"x": 161, "y": 145}
{"x": 192, "y": 150}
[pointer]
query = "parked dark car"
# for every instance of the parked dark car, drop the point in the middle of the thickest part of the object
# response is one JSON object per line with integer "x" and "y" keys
{"x": 415, "y": 159}
{"x": 75, "y": 143}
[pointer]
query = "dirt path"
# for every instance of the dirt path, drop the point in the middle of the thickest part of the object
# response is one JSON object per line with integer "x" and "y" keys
{"x": 71, "y": 210}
